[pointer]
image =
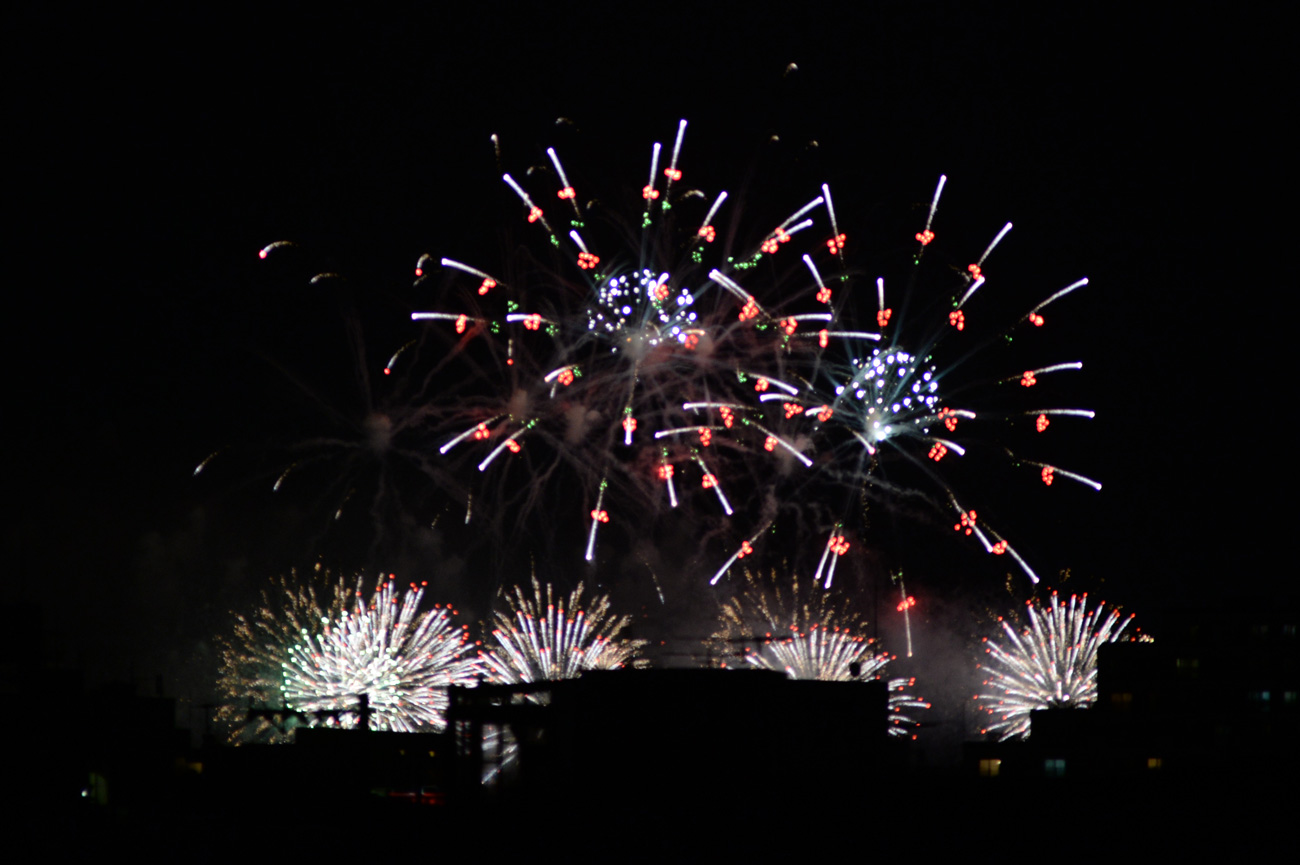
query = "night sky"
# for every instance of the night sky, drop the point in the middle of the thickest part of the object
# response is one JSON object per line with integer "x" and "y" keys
{"x": 158, "y": 152}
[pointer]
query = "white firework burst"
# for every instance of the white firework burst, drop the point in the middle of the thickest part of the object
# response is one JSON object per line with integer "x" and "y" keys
{"x": 400, "y": 659}
{"x": 813, "y": 636}
{"x": 545, "y": 637}
{"x": 1051, "y": 663}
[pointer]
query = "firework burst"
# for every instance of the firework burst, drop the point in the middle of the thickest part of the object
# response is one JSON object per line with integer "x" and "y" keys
{"x": 253, "y": 655}
{"x": 399, "y": 659}
{"x": 545, "y": 637}
{"x": 1052, "y": 663}
{"x": 633, "y": 357}
{"x": 811, "y": 635}
{"x": 900, "y": 395}
{"x": 659, "y": 362}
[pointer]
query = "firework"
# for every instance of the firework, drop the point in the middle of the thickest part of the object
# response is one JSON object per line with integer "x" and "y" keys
{"x": 632, "y": 358}
{"x": 400, "y": 659}
{"x": 899, "y": 394}
{"x": 811, "y": 635}
{"x": 545, "y": 638}
{"x": 354, "y": 465}
{"x": 253, "y": 655}
{"x": 1051, "y": 663}
{"x": 661, "y": 363}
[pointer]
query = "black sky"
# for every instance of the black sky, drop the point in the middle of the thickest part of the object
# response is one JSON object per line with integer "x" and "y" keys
{"x": 158, "y": 151}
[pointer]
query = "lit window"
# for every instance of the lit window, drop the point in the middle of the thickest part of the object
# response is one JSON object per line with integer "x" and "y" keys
{"x": 1155, "y": 762}
{"x": 990, "y": 768}
{"x": 1121, "y": 700}
{"x": 1054, "y": 767}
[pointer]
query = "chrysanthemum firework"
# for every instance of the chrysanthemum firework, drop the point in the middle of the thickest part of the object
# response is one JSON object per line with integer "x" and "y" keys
{"x": 400, "y": 660}
{"x": 810, "y": 635}
{"x": 548, "y": 637}
{"x": 1051, "y": 663}
{"x": 253, "y": 655}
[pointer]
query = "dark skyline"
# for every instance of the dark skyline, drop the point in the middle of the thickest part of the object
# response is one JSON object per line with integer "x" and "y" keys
{"x": 160, "y": 151}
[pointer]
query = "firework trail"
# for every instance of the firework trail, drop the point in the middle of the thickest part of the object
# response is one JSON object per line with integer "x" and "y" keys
{"x": 253, "y": 655}
{"x": 544, "y": 638}
{"x": 633, "y": 358}
{"x": 1051, "y": 663}
{"x": 402, "y": 660}
{"x": 811, "y": 635}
